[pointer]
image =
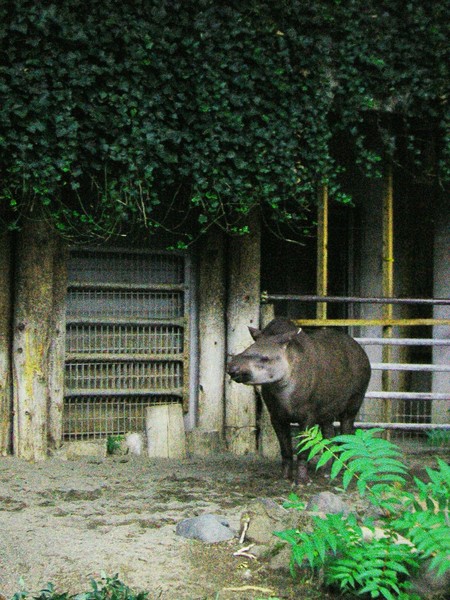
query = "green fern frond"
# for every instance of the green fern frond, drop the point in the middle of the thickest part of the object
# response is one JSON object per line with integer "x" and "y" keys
{"x": 362, "y": 457}
{"x": 382, "y": 567}
{"x": 374, "y": 568}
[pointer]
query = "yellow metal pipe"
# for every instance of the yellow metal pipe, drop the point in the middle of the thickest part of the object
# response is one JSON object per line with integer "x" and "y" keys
{"x": 322, "y": 251}
{"x": 388, "y": 242}
{"x": 369, "y": 322}
{"x": 388, "y": 283}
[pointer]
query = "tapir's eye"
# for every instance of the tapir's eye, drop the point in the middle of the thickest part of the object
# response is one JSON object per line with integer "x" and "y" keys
{"x": 264, "y": 359}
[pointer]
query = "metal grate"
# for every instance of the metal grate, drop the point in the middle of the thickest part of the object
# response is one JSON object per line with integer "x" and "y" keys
{"x": 124, "y": 376}
{"x": 124, "y": 339}
{"x": 100, "y": 417}
{"x": 119, "y": 304}
{"x": 127, "y": 339}
{"x": 126, "y": 267}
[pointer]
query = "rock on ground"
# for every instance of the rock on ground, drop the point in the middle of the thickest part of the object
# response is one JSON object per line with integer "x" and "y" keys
{"x": 206, "y": 528}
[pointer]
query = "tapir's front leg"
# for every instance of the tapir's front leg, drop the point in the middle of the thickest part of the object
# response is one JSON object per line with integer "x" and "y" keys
{"x": 301, "y": 475}
{"x": 283, "y": 432}
{"x": 282, "y": 428}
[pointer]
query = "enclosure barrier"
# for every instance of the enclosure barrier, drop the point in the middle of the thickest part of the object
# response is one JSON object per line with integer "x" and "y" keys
{"x": 386, "y": 340}
{"x": 127, "y": 339}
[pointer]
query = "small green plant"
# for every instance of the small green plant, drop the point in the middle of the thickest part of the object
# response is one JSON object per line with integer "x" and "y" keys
{"x": 114, "y": 443}
{"x": 108, "y": 588}
{"x": 414, "y": 526}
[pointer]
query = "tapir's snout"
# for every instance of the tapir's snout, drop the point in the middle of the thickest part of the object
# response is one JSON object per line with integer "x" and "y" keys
{"x": 237, "y": 373}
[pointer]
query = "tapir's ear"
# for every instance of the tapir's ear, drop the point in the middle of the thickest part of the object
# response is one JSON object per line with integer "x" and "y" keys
{"x": 284, "y": 338}
{"x": 255, "y": 333}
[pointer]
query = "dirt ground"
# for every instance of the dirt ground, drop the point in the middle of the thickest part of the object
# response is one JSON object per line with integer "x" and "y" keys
{"x": 68, "y": 521}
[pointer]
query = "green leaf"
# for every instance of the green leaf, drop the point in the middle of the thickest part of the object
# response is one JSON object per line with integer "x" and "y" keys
{"x": 326, "y": 457}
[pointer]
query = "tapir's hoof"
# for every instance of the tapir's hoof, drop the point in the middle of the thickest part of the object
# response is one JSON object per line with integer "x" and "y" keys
{"x": 302, "y": 473}
{"x": 286, "y": 470}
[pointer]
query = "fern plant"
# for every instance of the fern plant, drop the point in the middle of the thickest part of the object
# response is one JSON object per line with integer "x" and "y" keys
{"x": 108, "y": 588}
{"x": 384, "y": 565}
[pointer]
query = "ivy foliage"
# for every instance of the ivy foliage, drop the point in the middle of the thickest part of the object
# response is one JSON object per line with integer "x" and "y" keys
{"x": 176, "y": 114}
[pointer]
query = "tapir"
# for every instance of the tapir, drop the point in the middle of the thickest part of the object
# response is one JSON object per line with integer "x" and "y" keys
{"x": 309, "y": 378}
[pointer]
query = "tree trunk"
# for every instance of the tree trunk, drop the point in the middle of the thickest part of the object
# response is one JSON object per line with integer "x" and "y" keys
{"x": 243, "y": 310}
{"x": 5, "y": 344}
{"x": 33, "y": 335}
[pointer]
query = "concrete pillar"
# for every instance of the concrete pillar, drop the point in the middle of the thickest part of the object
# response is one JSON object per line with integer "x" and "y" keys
{"x": 371, "y": 283}
{"x": 441, "y": 289}
{"x": 244, "y": 260}
{"x": 212, "y": 299}
{"x": 268, "y": 445}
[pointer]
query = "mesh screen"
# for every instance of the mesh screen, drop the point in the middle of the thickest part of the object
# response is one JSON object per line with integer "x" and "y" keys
{"x": 133, "y": 268}
{"x": 148, "y": 376}
{"x": 124, "y": 339}
{"x": 120, "y": 304}
{"x": 99, "y": 417}
{"x": 125, "y": 342}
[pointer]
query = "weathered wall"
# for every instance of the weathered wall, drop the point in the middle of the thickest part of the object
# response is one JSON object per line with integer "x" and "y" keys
{"x": 35, "y": 342}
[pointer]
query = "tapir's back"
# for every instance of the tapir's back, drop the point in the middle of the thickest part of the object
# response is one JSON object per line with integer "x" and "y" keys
{"x": 340, "y": 366}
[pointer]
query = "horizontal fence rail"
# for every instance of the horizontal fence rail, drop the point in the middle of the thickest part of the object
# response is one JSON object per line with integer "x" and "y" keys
{"x": 403, "y": 341}
{"x": 403, "y": 426}
{"x": 266, "y": 297}
{"x": 383, "y": 322}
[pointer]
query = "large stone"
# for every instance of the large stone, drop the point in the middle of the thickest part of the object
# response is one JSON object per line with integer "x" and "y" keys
{"x": 204, "y": 443}
{"x": 429, "y": 585}
{"x": 328, "y": 504}
{"x": 206, "y": 528}
{"x": 82, "y": 449}
{"x": 264, "y": 516}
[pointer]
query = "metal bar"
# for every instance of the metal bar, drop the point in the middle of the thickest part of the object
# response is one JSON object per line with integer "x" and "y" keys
{"x": 403, "y": 341}
{"x": 398, "y": 426}
{"x": 127, "y": 287}
{"x": 118, "y": 250}
{"x": 408, "y": 395}
{"x": 322, "y": 251}
{"x": 108, "y": 357}
{"x": 265, "y": 297}
{"x": 178, "y": 322}
{"x": 409, "y": 367}
{"x": 403, "y": 426}
{"x": 368, "y": 322}
{"x": 388, "y": 286}
{"x": 123, "y": 392}
{"x": 187, "y": 336}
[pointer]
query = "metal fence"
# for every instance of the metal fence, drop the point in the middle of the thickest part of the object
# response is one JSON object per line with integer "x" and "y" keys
{"x": 402, "y": 408}
{"x": 127, "y": 339}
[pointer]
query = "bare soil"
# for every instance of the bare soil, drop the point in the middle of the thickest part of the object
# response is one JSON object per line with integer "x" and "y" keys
{"x": 66, "y": 522}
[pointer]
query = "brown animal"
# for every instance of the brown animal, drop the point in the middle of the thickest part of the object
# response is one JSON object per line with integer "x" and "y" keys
{"x": 309, "y": 378}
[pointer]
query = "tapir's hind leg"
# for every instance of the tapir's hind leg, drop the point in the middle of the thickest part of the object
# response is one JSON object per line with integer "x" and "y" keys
{"x": 348, "y": 418}
{"x": 327, "y": 430}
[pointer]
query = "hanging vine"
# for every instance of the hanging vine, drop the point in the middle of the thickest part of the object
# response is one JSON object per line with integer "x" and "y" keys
{"x": 174, "y": 114}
